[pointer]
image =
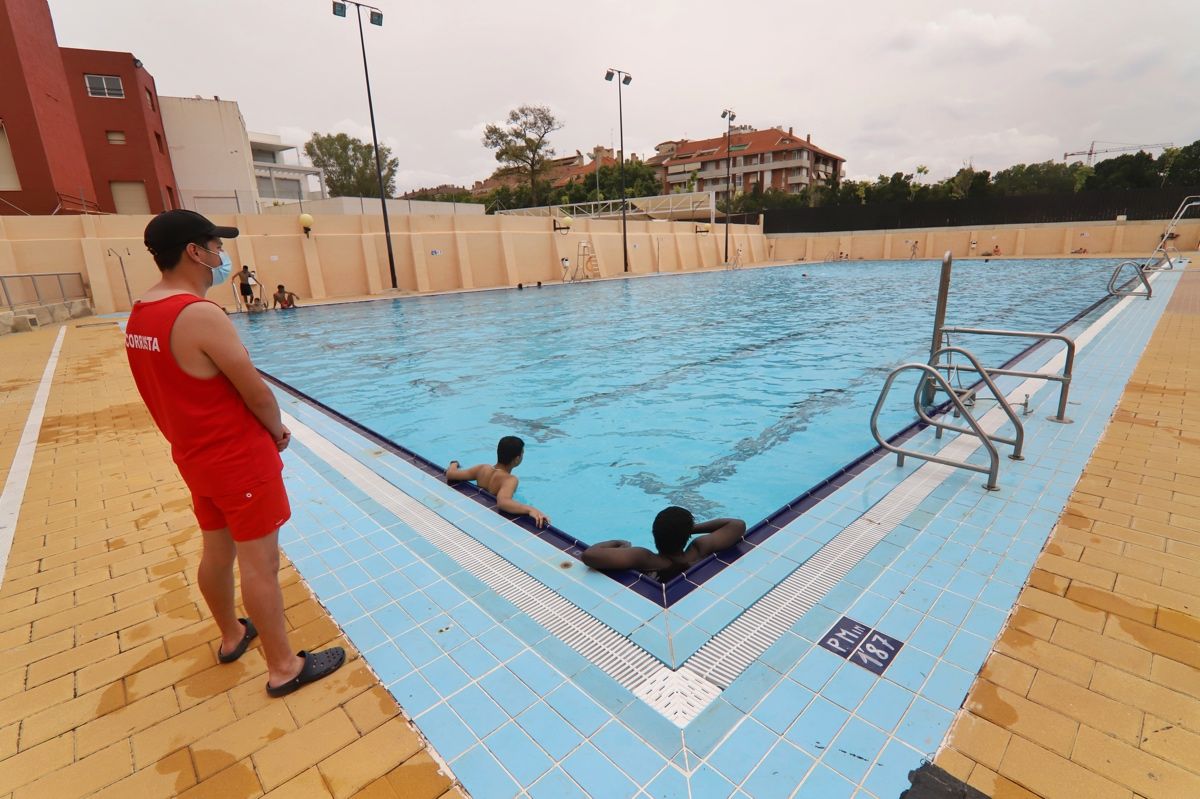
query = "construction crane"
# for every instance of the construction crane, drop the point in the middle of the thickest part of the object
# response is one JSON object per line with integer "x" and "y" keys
{"x": 1121, "y": 147}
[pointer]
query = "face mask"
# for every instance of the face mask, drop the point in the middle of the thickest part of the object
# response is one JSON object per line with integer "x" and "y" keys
{"x": 221, "y": 271}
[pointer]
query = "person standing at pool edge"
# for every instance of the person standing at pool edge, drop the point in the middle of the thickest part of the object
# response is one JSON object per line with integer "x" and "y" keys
{"x": 672, "y": 528}
{"x": 499, "y": 479}
{"x": 226, "y": 434}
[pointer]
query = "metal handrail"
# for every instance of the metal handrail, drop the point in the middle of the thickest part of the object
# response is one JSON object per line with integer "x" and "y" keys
{"x": 1189, "y": 202}
{"x": 1064, "y": 379}
{"x": 1017, "y": 441}
{"x": 1114, "y": 291}
{"x": 37, "y": 291}
{"x": 931, "y": 374}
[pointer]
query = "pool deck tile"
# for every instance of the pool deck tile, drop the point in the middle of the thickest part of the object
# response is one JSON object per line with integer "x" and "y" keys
{"x": 1090, "y": 686}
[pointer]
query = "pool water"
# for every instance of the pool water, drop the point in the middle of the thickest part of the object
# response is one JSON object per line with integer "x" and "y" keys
{"x": 729, "y": 393}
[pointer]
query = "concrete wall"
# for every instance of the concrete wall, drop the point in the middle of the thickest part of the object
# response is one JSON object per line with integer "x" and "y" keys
{"x": 210, "y": 153}
{"x": 370, "y": 206}
{"x": 1118, "y": 239}
{"x": 347, "y": 256}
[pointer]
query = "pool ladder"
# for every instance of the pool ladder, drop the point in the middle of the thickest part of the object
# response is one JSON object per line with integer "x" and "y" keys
{"x": 961, "y": 400}
{"x": 1160, "y": 259}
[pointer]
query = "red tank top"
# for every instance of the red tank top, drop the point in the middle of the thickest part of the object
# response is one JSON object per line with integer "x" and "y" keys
{"x": 219, "y": 446}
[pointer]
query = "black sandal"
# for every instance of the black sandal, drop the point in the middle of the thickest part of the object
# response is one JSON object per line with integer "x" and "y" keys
{"x": 316, "y": 666}
{"x": 240, "y": 649}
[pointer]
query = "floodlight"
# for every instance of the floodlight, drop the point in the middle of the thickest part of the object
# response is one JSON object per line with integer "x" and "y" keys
{"x": 339, "y": 9}
{"x": 608, "y": 75}
{"x": 377, "y": 18}
{"x": 627, "y": 79}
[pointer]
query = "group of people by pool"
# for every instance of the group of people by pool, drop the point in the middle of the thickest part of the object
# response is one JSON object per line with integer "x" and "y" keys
{"x": 246, "y": 280}
{"x": 679, "y": 539}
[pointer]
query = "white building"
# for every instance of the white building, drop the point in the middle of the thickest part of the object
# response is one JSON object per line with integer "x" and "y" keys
{"x": 210, "y": 154}
{"x": 278, "y": 173}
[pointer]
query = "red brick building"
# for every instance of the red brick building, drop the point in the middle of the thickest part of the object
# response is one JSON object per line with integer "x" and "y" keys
{"x": 80, "y": 130}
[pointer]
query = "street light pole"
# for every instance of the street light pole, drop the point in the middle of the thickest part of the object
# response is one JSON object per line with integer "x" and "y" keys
{"x": 376, "y": 17}
{"x": 625, "y": 80}
{"x": 728, "y": 116}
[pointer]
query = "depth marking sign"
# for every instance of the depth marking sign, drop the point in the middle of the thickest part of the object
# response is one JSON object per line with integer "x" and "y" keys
{"x": 858, "y": 643}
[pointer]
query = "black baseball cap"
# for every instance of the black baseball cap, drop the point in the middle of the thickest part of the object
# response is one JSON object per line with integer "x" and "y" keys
{"x": 179, "y": 227}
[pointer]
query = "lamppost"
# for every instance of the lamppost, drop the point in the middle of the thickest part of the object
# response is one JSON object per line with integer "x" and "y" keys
{"x": 728, "y": 116}
{"x": 625, "y": 80}
{"x": 376, "y": 18}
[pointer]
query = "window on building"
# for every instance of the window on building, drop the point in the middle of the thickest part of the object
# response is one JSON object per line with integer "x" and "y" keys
{"x": 115, "y": 136}
{"x": 735, "y": 147}
{"x": 262, "y": 156}
{"x": 8, "y": 167}
{"x": 129, "y": 196}
{"x": 150, "y": 99}
{"x": 158, "y": 139}
{"x": 104, "y": 86}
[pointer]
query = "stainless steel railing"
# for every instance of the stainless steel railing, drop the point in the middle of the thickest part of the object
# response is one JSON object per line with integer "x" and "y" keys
{"x": 18, "y": 291}
{"x": 1139, "y": 271}
{"x": 1018, "y": 439}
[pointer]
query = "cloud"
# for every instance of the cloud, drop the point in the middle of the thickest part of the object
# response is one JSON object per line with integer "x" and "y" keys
{"x": 964, "y": 33}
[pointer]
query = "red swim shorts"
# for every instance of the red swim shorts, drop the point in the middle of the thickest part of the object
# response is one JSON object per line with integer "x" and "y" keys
{"x": 249, "y": 514}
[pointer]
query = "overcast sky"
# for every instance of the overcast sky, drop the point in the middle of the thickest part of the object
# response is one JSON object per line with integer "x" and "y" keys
{"x": 886, "y": 85}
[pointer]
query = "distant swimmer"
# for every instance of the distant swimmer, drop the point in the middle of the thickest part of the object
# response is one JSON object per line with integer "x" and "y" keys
{"x": 671, "y": 529}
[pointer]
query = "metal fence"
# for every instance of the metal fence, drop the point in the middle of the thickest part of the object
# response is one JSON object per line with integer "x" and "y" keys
{"x": 1084, "y": 206}
{"x": 18, "y": 291}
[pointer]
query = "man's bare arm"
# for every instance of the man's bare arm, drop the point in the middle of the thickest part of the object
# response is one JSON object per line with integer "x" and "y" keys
{"x": 611, "y": 555}
{"x": 456, "y": 474}
{"x": 205, "y": 326}
{"x": 718, "y": 534}
{"x": 506, "y": 503}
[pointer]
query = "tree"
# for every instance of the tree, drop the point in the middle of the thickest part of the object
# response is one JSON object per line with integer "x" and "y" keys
{"x": 1138, "y": 170}
{"x": 1182, "y": 167}
{"x": 349, "y": 165}
{"x": 523, "y": 145}
{"x": 1048, "y": 177}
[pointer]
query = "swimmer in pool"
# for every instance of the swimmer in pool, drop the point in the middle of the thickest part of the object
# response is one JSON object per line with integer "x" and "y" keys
{"x": 499, "y": 479}
{"x": 672, "y": 528}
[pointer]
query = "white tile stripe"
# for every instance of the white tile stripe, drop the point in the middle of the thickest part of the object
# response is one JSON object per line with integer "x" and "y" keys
{"x": 18, "y": 473}
{"x": 681, "y": 694}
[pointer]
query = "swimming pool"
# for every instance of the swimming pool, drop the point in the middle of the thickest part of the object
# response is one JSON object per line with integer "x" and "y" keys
{"x": 727, "y": 392}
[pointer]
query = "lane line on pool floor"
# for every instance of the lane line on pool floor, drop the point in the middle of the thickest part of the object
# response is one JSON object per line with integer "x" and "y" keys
{"x": 681, "y": 694}
{"x": 22, "y": 463}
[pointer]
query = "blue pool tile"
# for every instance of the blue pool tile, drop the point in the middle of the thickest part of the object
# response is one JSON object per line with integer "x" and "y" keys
{"x": 779, "y": 773}
{"x": 745, "y": 746}
{"x": 508, "y": 691}
{"x": 446, "y": 731}
{"x": 575, "y": 706}
{"x": 786, "y": 652}
{"x": 636, "y": 759}
{"x": 919, "y": 596}
{"x": 535, "y": 672}
{"x": 982, "y": 562}
{"x": 899, "y": 622}
{"x": 417, "y": 647}
{"x": 669, "y": 784}
{"x": 389, "y": 663}
{"x": 932, "y": 636}
{"x": 815, "y": 623}
{"x": 816, "y": 668}
{"x": 473, "y": 659}
{"x": 948, "y": 685}
{"x": 557, "y": 785}
{"x": 855, "y": 749}
{"x": 479, "y": 712}
{"x": 549, "y": 729}
{"x": 950, "y": 608}
{"x": 911, "y": 668}
{"x": 888, "y": 776}
{"x": 397, "y": 585}
{"x": 597, "y": 775}
{"x": 782, "y": 705}
{"x": 344, "y": 608}
{"x": 501, "y": 643}
{"x": 968, "y": 651}
{"x": 985, "y": 621}
{"x": 708, "y": 782}
{"x": 607, "y": 692}
{"x": 967, "y": 584}
{"x": 823, "y": 783}
{"x": 445, "y": 677}
{"x": 653, "y": 728}
{"x": 414, "y": 694}
{"x": 473, "y": 620}
{"x": 817, "y": 726}
{"x": 869, "y": 608}
{"x": 751, "y": 685}
{"x": 352, "y": 575}
{"x": 711, "y": 725}
{"x": 1000, "y": 595}
{"x": 444, "y": 632}
{"x": 848, "y": 686}
{"x": 885, "y": 705}
{"x": 364, "y": 633}
{"x": 519, "y": 754}
{"x": 371, "y": 596}
{"x": 392, "y": 619}
{"x": 484, "y": 777}
{"x": 924, "y": 726}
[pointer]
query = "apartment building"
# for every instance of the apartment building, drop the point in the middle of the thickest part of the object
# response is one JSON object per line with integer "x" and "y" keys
{"x": 766, "y": 159}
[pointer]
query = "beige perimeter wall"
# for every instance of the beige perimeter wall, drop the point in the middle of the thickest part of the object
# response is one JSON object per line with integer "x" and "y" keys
{"x": 346, "y": 256}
